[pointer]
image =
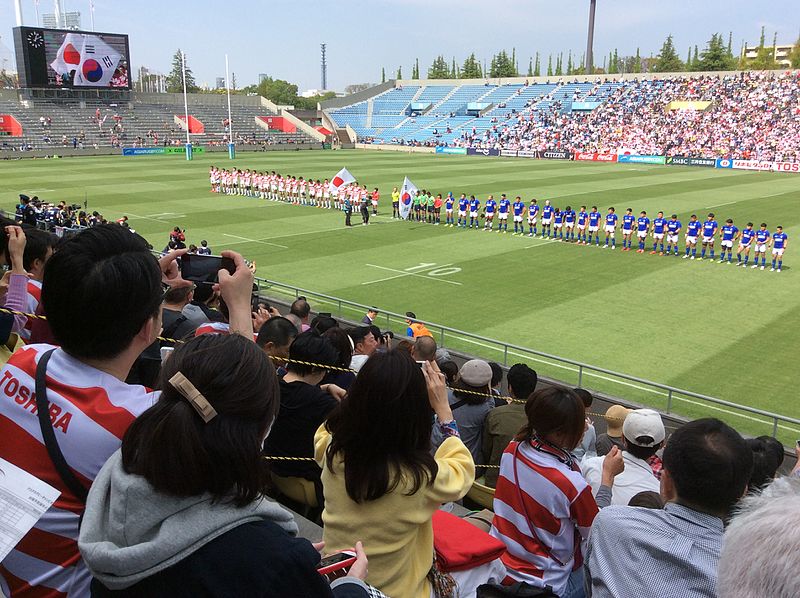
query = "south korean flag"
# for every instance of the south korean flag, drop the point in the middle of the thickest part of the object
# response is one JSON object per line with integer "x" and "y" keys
{"x": 98, "y": 63}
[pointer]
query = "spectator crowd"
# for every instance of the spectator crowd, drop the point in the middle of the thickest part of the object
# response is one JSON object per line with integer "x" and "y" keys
{"x": 169, "y": 456}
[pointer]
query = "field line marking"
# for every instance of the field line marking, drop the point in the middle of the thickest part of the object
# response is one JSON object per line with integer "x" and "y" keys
{"x": 629, "y": 384}
{"x": 131, "y": 215}
{"x": 404, "y": 273}
{"x": 246, "y": 240}
{"x": 727, "y": 203}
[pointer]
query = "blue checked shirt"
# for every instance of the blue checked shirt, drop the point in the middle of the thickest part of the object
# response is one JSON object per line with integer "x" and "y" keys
{"x": 669, "y": 553}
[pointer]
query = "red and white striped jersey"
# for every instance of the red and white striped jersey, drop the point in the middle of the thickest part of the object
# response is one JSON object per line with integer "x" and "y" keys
{"x": 545, "y": 520}
{"x": 32, "y": 304}
{"x": 90, "y": 411}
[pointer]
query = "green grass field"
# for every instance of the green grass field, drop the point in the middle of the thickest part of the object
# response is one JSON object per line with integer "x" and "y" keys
{"x": 708, "y": 328}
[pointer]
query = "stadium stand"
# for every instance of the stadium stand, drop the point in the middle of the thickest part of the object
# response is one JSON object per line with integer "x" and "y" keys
{"x": 740, "y": 115}
{"x": 144, "y": 121}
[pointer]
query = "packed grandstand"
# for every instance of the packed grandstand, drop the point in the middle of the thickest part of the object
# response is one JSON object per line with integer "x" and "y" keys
{"x": 737, "y": 116}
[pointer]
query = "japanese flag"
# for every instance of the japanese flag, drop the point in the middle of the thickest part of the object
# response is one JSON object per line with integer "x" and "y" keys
{"x": 407, "y": 193}
{"x": 342, "y": 178}
{"x": 68, "y": 57}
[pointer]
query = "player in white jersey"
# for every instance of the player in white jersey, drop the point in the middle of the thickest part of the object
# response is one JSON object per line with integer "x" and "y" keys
{"x": 326, "y": 194}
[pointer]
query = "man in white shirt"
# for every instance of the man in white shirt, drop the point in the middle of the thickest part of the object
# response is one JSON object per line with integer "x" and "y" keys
{"x": 364, "y": 345}
{"x": 642, "y": 435}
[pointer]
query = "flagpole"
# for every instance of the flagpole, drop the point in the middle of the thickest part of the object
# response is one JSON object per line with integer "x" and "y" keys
{"x": 231, "y": 144}
{"x": 186, "y": 107}
{"x": 91, "y": 12}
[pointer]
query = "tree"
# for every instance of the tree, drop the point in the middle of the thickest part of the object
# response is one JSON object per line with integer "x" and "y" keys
{"x": 175, "y": 77}
{"x": 550, "y": 66}
{"x": 399, "y": 73}
{"x": 234, "y": 86}
{"x": 559, "y": 61}
{"x": 637, "y": 63}
{"x": 415, "y": 70}
{"x": 354, "y": 88}
{"x": 471, "y": 68}
{"x": 715, "y": 56}
{"x": 454, "y": 72}
{"x": 765, "y": 57}
{"x": 383, "y": 75}
{"x": 502, "y": 66}
{"x": 439, "y": 69}
{"x": 311, "y": 103}
{"x": 278, "y": 91}
{"x": 537, "y": 67}
{"x": 667, "y": 60}
{"x": 530, "y": 68}
{"x": 569, "y": 63}
{"x": 794, "y": 57}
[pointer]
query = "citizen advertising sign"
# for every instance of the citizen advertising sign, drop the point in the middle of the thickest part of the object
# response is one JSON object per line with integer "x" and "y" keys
{"x": 634, "y": 159}
{"x": 474, "y": 151}
{"x": 687, "y": 161}
{"x": 555, "y": 155}
{"x": 508, "y": 153}
{"x": 527, "y": 154}
{"x": 595, "y": 157}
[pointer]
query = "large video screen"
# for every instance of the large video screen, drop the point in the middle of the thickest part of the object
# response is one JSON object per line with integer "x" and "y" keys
{"x": 60, "y": 58}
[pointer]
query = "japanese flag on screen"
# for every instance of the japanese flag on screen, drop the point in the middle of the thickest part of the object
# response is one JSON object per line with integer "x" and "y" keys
{"x": 342, "y": 178}
{"x": 68, "y": 57}
{"x": 407, "y": 193}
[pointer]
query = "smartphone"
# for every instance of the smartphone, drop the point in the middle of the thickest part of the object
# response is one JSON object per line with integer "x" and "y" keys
{"x": 421, "y": 364}
{"x": 337, "y": 564}
{"x": 204, "y": 268}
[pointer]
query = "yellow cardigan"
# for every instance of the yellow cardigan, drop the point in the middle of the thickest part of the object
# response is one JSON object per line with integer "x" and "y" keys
{"x": 395, "y": 529}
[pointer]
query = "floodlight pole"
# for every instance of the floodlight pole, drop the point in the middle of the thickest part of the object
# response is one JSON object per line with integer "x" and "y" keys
{"x": 231, "y": 144}
{"x": 18, "y": 12}
{"x": 590, "y": 38}
{"x": 186, "y": 107}
{"x": 91, "y": 12}
{"x": 36, "y": 7}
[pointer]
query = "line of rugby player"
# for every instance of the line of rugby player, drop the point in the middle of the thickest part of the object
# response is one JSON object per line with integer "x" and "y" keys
{"x": 585, "y": 227}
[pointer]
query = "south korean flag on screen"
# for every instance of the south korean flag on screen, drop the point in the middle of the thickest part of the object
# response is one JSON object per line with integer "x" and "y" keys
{"x": 98, "y": 63}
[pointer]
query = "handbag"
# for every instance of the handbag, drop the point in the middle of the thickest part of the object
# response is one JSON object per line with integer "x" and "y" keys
{"x": 459, "y": 545}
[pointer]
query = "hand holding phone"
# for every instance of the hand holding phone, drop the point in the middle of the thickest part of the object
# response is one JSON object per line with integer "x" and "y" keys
{"x": 204, "y": 269}
{"x": 336, "y": 565}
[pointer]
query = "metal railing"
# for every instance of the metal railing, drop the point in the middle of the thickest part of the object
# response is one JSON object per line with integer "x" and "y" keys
{"x": 664, "y": 397}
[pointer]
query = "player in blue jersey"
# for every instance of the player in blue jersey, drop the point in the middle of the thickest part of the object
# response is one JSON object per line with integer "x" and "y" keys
{"x": 547, "y": 218}
{"x": 779, "y": 243}
{"x": 448, "y": 209}
{"x": 659, "y": 227}
{"x": 745, "y": 244}
{"x": 642, "y": 228}
{"x": 673, "y": 234}
{"x": 710, "y": 227}
{"x": 489, "y": 209}
{"x": 533, "y": 216}
{"x": 628, "y": 220}
{"x": 728, "y": 235}
{"x": 502, "y": 214}
{"x": 583, "y": 218}
{"x": 569, "y": 223}
{"x": 463, "y": 206}
{"x": 558, "y": 223}
{"x": 594, "y": 225}
{"x": 519, "y": 212}
{"x": 693, "y": 228}
{"x": 763, "y": 237}
{"x": 474, "y": 208}
{"x": 610, "y": 228}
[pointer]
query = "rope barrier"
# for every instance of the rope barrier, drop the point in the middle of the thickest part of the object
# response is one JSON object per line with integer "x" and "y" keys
{"x": 321, "y": 366}
{"x": 274, "y": 458}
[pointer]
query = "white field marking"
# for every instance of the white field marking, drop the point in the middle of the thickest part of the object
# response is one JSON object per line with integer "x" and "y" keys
{"x": 629, "y": 384}
{"x": 246, "y": 240}
{"x": 404, "y": 273}
{"x": 165, "y": 214}
{"x": 727, "y": 203}
{"x": 539, "y": 243}
{"x": 308, "y": 232}
{"x": 136, "y": 216}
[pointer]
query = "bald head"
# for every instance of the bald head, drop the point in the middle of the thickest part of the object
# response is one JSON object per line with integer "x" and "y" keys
{"x": 424, "y": 348}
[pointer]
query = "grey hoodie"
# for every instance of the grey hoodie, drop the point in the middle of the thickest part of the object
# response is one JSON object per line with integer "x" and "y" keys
{"x": 130, "y": 531}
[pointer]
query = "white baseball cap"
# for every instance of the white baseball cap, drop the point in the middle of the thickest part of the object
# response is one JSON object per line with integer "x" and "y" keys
{"x": 641, "y": 423}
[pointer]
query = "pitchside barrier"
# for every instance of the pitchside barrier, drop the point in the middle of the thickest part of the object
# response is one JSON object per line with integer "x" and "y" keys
{"x": 620, "y": 157}
{"x": 663, "y": 397}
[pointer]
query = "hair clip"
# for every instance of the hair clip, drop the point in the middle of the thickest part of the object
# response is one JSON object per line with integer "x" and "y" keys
{"x": 189, "y": 392}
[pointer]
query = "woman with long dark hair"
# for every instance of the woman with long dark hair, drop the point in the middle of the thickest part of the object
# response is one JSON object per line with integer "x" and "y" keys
{"x": 380, "y": 480}
{"x": 181, "y": 509}
{"x": 543, "y": 506}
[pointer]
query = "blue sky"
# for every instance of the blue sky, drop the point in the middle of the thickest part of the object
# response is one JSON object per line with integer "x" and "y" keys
{"x": 282, "y": 38}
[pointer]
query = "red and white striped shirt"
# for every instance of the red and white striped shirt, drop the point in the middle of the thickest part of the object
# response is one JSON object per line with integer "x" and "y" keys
{"x": 544, "y": 518}
{"x": 90, "y": 411}
{"x": 33, "y": 299}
